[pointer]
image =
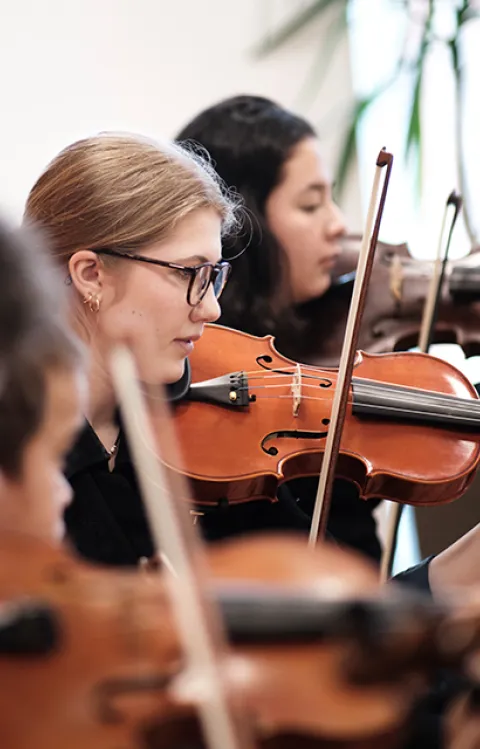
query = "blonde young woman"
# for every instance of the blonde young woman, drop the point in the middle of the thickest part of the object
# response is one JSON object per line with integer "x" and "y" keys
{"x": 137, "y": 230}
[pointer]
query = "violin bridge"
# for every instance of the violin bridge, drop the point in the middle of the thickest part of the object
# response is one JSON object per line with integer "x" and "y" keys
{"x": 297, "y": 389}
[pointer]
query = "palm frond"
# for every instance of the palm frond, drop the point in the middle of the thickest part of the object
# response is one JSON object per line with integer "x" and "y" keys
{"x": 413, "y": 143}
{"x": 360, "y": 107}
{"x": 466, "y": 13}
{"x": 349, "y": 146}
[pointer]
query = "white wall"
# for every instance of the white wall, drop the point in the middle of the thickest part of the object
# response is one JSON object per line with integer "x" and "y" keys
{"x": 71, "y": 69}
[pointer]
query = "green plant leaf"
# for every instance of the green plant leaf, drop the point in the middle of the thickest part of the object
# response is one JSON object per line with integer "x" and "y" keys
{"x": 346, "y": 158}
{"x": 291, "y": 27}
{"x": 413, "y": 145}
{"x": 467, "y": 13}
{"x": 349, "y": 146}
{"x": 360, "y": 106}
{"x": 414, "y": 134}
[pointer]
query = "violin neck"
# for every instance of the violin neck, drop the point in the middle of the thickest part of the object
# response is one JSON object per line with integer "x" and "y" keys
{"x": 464, "y": 284}
{"x": 397, "y": 402}
{"x": 258, "y": 614}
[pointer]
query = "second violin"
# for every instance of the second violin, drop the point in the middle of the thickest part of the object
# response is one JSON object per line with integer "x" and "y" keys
{"x": 394, "y": 305}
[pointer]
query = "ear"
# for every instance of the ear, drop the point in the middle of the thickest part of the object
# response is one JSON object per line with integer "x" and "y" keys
{"x": 87, "y": 273}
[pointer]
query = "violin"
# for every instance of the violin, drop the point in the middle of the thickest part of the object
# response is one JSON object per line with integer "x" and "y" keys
{"x": 394, "y": 306}
{"x": 253, "y": 419}
{"x": 316, "y": 649}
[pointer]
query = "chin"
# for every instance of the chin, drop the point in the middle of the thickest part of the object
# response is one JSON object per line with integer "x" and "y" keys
{"x": 59, "y": 531}
{"x": 324, "y": 283}
{"x": 171, "y": 372}
{"x": 316, "y": 291}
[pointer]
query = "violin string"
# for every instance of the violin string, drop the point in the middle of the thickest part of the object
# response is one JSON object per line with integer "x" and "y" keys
{"x": 359, "y": 384}
{"x": 462, "y": 408}
{"x": 429, "y": 397}
{"x": 384, "y": 389}
{"x": 395, "y": 409}
{"x": 407, "y": 397}
{"x": 280, "y": 385}
{"x": 358, "y": 381}
{"x": 367, "y": 386}
{"x": 288, "y": 396}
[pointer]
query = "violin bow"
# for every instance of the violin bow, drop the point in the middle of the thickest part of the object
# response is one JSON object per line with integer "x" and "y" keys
{"x": 430, "y": 310}
{"x": 347, "y": 360}
{"x": 429, "y": 318}
{"x": 179, "y": 543}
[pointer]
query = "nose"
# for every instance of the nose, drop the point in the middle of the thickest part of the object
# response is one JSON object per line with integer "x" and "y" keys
{"x": 336, "y": 226}
{"x": 208, "y": 310}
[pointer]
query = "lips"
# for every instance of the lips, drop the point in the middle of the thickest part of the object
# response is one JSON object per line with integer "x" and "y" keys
{"x": 189, "y": 339}
{"x": 330, "y": 260}
{"x": 187, "y": 343}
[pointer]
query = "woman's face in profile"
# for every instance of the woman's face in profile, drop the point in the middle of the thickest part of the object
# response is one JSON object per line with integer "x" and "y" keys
{"x": 145, "y": 306}
{"x": 305, "y": 221}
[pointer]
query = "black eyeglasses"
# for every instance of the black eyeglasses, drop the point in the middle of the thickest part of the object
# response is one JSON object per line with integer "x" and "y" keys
{"x": 200, "y": 276}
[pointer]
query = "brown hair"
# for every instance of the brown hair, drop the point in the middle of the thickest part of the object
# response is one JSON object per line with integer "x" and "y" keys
{"x": 122, "y": 192}
{"x": 34, "y": 339}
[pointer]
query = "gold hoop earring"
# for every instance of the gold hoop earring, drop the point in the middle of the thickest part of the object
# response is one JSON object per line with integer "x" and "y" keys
{"x": 93, "y": 302}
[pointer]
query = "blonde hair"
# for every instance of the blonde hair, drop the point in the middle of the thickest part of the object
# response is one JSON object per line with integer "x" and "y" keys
{"x": 122, "y": 192}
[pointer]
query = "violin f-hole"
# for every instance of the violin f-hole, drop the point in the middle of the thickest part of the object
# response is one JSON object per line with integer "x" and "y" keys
{"x": 296, "y": 434}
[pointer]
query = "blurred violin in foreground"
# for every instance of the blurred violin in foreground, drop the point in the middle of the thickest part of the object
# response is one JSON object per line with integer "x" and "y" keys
{"x": 92, "y": 658}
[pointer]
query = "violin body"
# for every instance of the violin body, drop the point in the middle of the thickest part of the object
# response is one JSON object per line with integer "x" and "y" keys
{"x": 394, "y": 306}
{"x": 109, "y": 682}
{"x": 235, "y": 453}
{"x": 106, "y": 675}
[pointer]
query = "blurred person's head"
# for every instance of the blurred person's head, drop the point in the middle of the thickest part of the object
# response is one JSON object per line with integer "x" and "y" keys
{"x": 42, "y": 388}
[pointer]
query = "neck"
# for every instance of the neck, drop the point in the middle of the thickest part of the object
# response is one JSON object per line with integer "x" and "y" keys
{"x": 101, "y": 407}
{"x": 102, "y": 401}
